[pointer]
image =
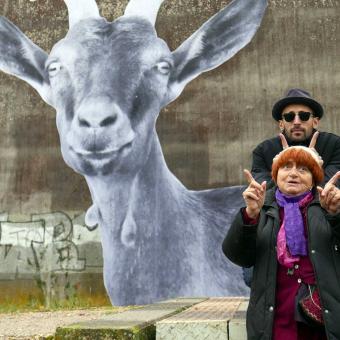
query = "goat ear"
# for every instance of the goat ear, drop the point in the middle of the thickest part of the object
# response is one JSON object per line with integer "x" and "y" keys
{"x": 20, "y": 57}
{"x": 220, "y": 38}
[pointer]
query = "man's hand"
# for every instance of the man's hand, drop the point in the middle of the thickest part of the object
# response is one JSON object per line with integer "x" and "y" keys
{"x": 311, "y": 146}
{"x": 330, "y": 195}
{"x": 284, "y": 146}
{"x": 283, "y": 141}
{"x": 313, "y": 140}
{"x": 254, "y": 195}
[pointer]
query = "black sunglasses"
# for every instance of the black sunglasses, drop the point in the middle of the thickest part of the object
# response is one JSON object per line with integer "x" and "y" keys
{"x": 303, "y": 115}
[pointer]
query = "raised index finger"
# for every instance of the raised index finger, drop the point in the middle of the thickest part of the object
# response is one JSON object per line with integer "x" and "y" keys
{"x": 249, "y": 176}
{"x": 252, "y": 182}
{"x": 283, "y": 141}
{"x": 314, "y": 139}
{"x": 334, "y": 179}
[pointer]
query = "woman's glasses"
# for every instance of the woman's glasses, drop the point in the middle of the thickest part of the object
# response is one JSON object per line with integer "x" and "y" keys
{"x": 303, "y": 115}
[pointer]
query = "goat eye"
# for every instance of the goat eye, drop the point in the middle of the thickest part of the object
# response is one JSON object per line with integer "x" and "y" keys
{"x": 164, "y": 67}
{"x": 54, "y": 68}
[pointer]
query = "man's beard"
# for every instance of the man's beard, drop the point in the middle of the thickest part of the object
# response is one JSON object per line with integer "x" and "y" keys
{"x": 301, "y": 136}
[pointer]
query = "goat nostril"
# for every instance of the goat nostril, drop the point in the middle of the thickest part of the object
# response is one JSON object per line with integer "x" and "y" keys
{"x": 99, "y": 120}
{"x": 84, "y": 123}
{"x": 108, "y": 121}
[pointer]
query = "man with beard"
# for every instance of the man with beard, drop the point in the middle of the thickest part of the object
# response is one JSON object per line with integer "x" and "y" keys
{"x": 298, "y": 115}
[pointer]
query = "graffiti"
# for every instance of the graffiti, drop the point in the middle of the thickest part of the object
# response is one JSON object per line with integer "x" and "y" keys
{"x": 50, "y": 242}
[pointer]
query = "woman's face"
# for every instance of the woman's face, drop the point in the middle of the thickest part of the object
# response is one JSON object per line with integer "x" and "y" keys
{"x": 294, "y": 180}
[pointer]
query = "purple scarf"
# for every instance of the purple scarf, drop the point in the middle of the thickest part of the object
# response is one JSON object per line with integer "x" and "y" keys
{"x": 293, "y": 221}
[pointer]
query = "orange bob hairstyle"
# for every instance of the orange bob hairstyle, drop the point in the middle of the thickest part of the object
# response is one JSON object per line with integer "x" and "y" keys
{"x": 302, "y": 156}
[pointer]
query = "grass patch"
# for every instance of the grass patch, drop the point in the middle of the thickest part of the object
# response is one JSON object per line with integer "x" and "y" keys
{"x": 28, "y": 304}
{"x": 67, "y": 292}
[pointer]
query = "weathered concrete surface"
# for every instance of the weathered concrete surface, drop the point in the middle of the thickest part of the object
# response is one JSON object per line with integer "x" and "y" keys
{"x": 206, "y": 320}
{"x": 138, "y": 324}
{"x": 182, "y": 319}
{"x": 42, "y": 325}
{"x": 50, "y": 257}
{"x": 237, "y": 325}
{"x": 207, "y": 134}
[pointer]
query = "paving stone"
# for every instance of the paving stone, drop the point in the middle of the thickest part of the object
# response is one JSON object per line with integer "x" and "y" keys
{"x": 136, "y": 324}
{"x": 237, "y": 325}
{"x": 205, "y": 321}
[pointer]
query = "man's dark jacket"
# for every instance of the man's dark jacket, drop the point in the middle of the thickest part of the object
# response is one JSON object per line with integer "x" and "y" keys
{"x": 327, "y": 145}
{"x": 255, "y": 245}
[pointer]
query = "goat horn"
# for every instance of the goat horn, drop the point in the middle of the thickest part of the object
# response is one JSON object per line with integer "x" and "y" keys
{"x": 81, "y": 9}
{"x": 147, "y": 9}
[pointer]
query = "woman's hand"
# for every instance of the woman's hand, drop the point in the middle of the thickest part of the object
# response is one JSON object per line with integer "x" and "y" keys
{"x": 254, "y": 195}
{"x": 330, "y": 195}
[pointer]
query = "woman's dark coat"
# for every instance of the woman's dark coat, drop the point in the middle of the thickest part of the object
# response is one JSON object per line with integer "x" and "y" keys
{"x": 255, "y": 245}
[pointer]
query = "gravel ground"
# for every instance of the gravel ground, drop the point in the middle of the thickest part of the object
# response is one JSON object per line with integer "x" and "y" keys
{"x": 32, "y": 325}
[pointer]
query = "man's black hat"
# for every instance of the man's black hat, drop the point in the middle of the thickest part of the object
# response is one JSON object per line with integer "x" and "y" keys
{"x": 297, "y": 96}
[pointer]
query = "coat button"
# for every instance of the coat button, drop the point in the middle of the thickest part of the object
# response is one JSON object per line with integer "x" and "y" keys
{"x": 299, "y": 280}
{"x": 326, "y": 311}
{"x": 271, "y": 308}
{"x": 296, "y": 266}
{"x": 336, "y": 247}
{"x": 313, "y": 251}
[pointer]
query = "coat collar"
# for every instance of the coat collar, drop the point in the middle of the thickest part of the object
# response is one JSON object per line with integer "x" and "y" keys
{"x": 272, "y": 207}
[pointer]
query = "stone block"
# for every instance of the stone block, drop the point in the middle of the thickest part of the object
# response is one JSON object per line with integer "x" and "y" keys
{"x": 206, "y": 320}
{"x": 136, "y": 324}
{"x": 237, "y": 325}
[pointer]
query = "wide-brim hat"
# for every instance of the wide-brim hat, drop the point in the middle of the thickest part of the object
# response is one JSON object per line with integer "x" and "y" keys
{"x": 297, "y": 96}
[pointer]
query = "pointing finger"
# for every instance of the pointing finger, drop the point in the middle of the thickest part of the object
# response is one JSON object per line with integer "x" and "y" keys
{"x": 313, "y": 140}
{"x": 334, "y": 179}
{"x": 252, "y": 182}
{"x": 283, "y": 141}
{"x": 248, "y": 175}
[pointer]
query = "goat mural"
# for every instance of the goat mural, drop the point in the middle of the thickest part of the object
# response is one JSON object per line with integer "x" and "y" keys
{"x": 108, "y": 82}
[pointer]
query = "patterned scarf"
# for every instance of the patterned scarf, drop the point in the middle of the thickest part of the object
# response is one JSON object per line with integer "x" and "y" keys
{"x": 293, "y": 221}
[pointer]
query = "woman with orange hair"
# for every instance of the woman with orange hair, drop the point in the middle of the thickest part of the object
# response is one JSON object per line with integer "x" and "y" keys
{"x": 291, "y": 235}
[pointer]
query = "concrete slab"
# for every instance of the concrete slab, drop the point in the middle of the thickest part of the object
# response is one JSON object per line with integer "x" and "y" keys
{"x": 237, "y": 325}
{"x": 137, "y": 324}
{"x": 206, "y": 320}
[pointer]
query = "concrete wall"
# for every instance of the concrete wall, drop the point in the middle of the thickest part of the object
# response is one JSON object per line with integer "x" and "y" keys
{"x": 207, "y": 134}
{"x": 52, "y": 256}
